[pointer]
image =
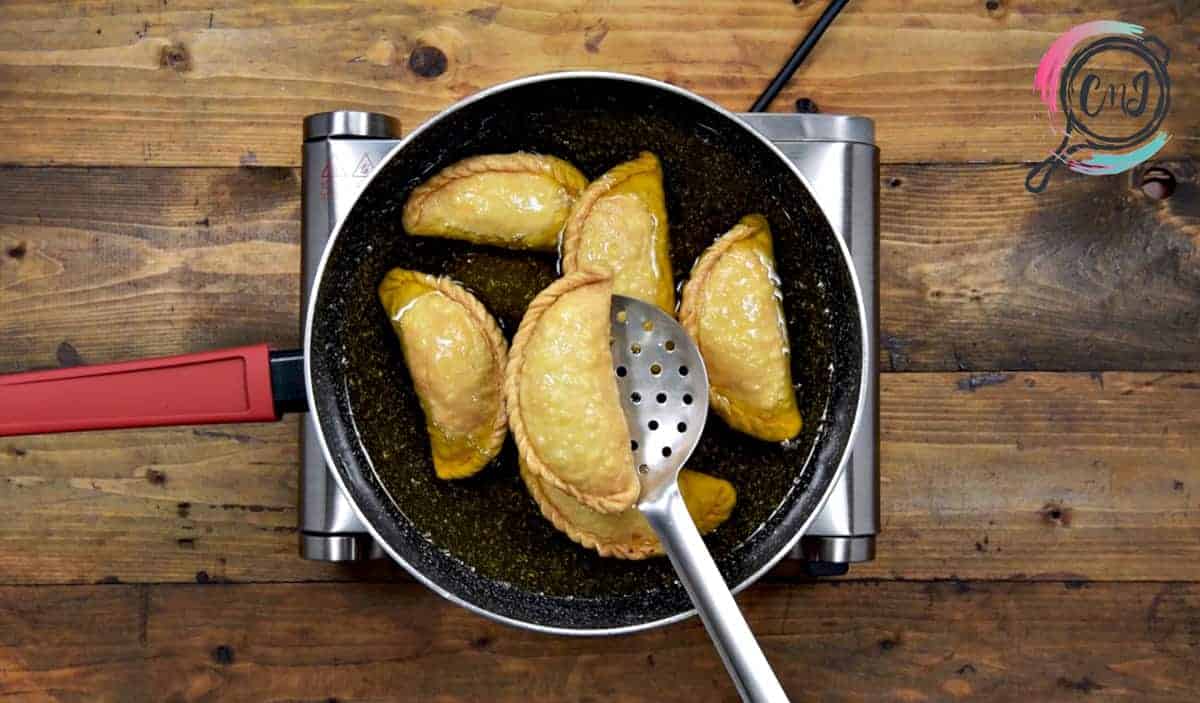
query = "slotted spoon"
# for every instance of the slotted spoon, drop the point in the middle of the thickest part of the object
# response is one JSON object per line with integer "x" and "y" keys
{"x": 664, "y": 392}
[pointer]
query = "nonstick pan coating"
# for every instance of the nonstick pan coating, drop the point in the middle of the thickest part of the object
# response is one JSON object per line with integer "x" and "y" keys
{"x": 482, "y": 541}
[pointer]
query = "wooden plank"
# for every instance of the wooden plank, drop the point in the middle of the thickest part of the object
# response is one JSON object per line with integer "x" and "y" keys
{"x": 73, "y": 644}
{"x": 197, "y": 82}
{"x": 1032, "y": 475}
{"x": 1011, "y": 476}
{"x": 1091, "y": 275}
{"x": 192, "y": 504}
{"x": 108, "y": 264}
{"x": 977, "y": 274}
{"x": 897, "y": 641}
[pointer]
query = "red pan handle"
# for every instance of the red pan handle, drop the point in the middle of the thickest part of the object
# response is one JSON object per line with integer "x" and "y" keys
{"x": 230, "y": 385}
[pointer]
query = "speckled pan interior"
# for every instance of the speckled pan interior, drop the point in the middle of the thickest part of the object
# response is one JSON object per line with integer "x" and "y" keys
{"x": 483, "y": 539}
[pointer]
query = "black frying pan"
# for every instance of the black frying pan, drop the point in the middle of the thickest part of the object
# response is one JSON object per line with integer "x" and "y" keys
{"x": 482, "y": 541}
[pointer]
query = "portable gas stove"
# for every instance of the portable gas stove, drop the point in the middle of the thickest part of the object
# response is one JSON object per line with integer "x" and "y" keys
{"x": 839, "y": 159}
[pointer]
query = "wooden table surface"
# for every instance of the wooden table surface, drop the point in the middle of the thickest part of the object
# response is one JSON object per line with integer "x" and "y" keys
{"x": 1040, "y": 396}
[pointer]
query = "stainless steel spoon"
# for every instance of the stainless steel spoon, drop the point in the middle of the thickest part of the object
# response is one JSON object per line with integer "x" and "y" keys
{"x": 664, "y": 392}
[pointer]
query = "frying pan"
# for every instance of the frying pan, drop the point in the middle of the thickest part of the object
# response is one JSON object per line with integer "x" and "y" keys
{"x": 481, "y": 542}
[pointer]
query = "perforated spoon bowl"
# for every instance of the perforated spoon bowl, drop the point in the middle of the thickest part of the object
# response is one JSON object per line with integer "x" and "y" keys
{"x": 664, "y": 392}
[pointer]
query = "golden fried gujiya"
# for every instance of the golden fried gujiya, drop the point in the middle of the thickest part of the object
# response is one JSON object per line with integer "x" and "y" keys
{"x": 732, "y": 307}
{"x": 456, "y": 356}
{"x": 563, "y": 405}
{"x": 619, "y": 224}
{"x": 517, "y": 201}
{"x": 627, "y": 535}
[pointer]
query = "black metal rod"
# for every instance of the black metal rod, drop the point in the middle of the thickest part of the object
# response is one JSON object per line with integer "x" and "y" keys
{"x": 789, "y": 69}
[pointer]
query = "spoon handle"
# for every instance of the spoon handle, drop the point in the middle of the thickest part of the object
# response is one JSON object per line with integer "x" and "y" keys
{"x": 747, "y": 666}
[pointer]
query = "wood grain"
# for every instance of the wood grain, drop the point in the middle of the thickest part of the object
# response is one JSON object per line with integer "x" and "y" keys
{"x": 110, "y": 264}
{"x": 1041, "y": 536}
{"x": 197, "y": 82}
{"x": 867, "y": 642}
{"x": 1017, "y": 475}
{"x": 975, "y": 274}
{"x": 1010, "y": 476}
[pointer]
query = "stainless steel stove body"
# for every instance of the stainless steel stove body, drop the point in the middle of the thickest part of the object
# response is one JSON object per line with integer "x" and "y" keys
{"x": 839, "y": 159}
{"x": 341, "y": 149}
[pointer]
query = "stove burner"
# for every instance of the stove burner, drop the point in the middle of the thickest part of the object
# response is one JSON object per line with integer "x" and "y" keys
{"x": 838, "y": 158}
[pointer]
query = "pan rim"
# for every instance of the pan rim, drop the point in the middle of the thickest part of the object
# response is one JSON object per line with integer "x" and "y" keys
{"x": 338, "y": 468}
